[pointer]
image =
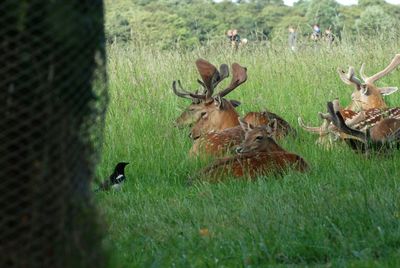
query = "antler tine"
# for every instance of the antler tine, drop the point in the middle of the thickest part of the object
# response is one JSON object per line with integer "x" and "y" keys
{"x": 349, "y": 78}
{"x": 338, "y": 121}
{"x": 363, "y": 76}
{"x": 308, "y": 128}
{"x": 325, "y": 116}
{"x": 336, "y": 105}
{"x": 205, "y": 90}
{"x": 183, "y": 93}
{"x": 239, "y": 76}
{"x": 393, "y": 64}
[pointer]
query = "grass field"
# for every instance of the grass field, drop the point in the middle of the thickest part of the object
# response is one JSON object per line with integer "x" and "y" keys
{"x": 344, "y": 212}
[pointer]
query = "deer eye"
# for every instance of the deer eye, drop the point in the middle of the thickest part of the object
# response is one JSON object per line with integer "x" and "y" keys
{"x": 258, "y": 138}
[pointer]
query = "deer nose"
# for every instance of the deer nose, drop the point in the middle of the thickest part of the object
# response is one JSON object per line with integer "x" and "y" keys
{"x": 239, "y": 150}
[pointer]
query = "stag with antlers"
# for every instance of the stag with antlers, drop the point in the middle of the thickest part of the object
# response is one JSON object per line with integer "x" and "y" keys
{"x": 367, "y": 103}
{"x": 216, "y": 129}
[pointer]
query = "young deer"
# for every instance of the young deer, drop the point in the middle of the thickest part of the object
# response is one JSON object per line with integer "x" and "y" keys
{"x": 380, "y": 133}
{"x": 219, "y": 143}
{"x": 258, "y": 155}
{"x": 211, "y": 77}
{"x": 367, "y": 102}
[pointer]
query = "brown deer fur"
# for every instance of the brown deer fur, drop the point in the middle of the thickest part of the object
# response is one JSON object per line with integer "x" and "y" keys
{"x": 258, "y": 155}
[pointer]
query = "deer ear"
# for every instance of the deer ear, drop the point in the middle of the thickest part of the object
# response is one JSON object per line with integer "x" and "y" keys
{"x": 218, "y": 101}
{"x": 245, "y": 126}
{"x": 235, "y": 103}
{"x": 272, "y": 126}
{"x": 364, "y": 90}
{"x": 388, "y": 90}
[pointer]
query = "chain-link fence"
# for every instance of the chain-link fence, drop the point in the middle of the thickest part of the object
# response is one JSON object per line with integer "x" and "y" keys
{"x": 52, "y": 102}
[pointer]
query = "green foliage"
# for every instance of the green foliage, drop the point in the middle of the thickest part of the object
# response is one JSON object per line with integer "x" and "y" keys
{"x": 169, "y": 24}
{"x": 375, "y": 21}
{"x": 368, "y": 3}
{"x": 322, "y": 12}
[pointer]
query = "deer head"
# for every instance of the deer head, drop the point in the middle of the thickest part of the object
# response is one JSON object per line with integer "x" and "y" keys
{"x": 260, "y": 138}
{"x": 219, "y": 113}
{"x": 211, "y": 77}
{"x": 366, "y": 95}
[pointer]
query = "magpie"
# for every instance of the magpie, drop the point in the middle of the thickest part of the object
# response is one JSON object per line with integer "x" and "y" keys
{"x": 116, "y": 178}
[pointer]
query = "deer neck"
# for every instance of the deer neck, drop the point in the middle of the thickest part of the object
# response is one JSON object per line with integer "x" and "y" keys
{"x": 375, "y": 102}
{"x": 271, "y": 146}
{"x": 227, "y": 119}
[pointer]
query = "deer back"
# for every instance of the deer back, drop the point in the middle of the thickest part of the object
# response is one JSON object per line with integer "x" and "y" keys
{"x": 218, "y": 143}
{"x": 263, "y": 118}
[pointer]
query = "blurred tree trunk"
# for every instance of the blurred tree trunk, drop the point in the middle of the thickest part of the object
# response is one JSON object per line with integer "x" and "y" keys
{"x": 51, "y": 55}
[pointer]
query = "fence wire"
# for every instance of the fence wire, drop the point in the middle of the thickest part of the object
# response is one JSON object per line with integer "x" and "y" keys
{"x": 52, "y": 104}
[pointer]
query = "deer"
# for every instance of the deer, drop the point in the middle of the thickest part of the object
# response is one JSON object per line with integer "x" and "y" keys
{"x": 366, "y": 97}
{"x": 377, "y": 133}
{"x": 200, "y": 100}
{"x": 258, "y": 155}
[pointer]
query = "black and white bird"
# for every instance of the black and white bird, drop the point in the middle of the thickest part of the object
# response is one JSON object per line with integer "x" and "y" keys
{"x": 116, "y": 179}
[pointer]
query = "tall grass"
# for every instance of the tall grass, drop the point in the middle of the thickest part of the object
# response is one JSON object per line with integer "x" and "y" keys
{"x": 345, "y": 211}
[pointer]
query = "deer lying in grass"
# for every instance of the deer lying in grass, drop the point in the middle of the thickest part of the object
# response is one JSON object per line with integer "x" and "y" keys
{"x": 377, "y": 134}
{"x": 211, "y": 77}
{"x": 366, "y": 98}
{"x": 218, "y": 143}
{"x": 258, "y": 155}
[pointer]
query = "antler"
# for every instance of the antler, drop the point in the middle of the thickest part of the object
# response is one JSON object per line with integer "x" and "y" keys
{"x": 393, "y": 64}
{"x": 210, "y": 75}
{"x": 349, "y": 78}
{"x": 322, "y": 129}
{"x": 239, "y": 76}
{"x": 184, "y": 93}
{"x": 339, "y": 122}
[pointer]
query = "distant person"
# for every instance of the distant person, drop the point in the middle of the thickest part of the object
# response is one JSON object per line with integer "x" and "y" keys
{"x": 292, "y": 38}
{"x": 234, "y": 38}
{"x": 329, "y": 37}
{"x": 316, "y": 34}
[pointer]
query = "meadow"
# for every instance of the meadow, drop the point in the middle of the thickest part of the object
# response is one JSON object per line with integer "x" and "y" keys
{"x": 344, "y": 212}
